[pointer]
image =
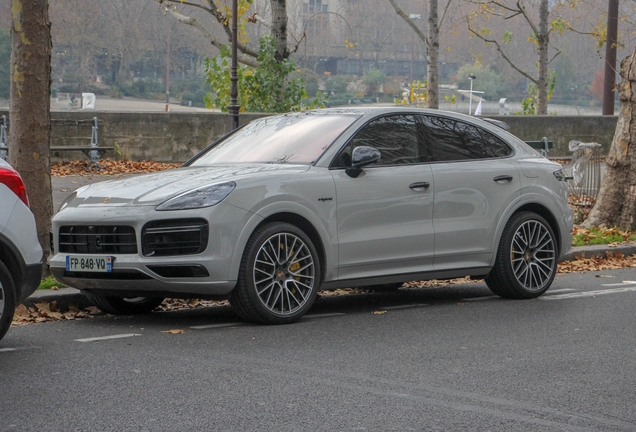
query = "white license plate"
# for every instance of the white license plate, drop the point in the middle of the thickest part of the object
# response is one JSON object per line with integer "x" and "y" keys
{"x": 87, "y": 263}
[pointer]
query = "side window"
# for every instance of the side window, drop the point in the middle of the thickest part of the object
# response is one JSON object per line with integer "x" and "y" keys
{"x": 495, "y": 147}
{"x": 452, "y": 140}
{"x": 395, "y": 136}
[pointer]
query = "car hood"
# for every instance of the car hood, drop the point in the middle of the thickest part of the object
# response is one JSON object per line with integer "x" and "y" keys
{"x": 153, "y": 189}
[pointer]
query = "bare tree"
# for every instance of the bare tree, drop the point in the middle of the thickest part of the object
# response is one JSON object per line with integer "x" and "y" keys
{"x": 616, "y": 203}
{"x": 220, "y": 12}
{"x": 29, "y": 107}
{"x": 432, "y": 44}
{"x": 541, "y": 29}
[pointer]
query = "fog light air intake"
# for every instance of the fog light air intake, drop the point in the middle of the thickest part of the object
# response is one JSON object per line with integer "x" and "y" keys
{"x": 174, "y": 237}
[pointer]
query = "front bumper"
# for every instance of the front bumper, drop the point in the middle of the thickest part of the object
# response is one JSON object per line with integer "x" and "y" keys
{"x": 138, "y": 273}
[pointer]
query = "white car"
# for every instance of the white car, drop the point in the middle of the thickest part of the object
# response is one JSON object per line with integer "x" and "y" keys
{"x": 20, "y": 251}
{"x": 294, "y": 203}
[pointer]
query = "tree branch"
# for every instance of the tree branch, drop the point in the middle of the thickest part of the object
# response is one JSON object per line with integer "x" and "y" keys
{"x": 410, "y": 22}
{"x": 528, "y": 20}
{"x": 503, "y": 54}
{"x": 441, "y": 20}
{"x": 247, "y": 56}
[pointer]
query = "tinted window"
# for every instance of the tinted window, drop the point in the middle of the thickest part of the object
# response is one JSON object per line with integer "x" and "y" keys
{"x": 395, "y": 137}
{"x": 292, "y": 138}
{"x": 495, "y": 147}
{"x": 452, "y": 140}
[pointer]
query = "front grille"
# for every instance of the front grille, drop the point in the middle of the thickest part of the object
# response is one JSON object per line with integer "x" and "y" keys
{"x": 98, "y": 239}
{"x": 174, "y": 237}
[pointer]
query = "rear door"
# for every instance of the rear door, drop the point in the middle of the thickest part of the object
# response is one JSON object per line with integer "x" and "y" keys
{"x": 474, "y": 184}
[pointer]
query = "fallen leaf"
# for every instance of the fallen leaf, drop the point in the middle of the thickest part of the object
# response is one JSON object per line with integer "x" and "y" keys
{"x": 174, "y": 331}
{"x": 381, "y": 312}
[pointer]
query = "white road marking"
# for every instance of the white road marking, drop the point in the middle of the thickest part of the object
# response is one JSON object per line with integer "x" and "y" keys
{"x": 18, "y": 349}
{"x": 119, "y": 336}
{"x": 621, "y": 284}
{"x": 559, "y": 290}
{"x": 325, "y": 315}
{"x": 588, "y": 293}
{"x": 210, "y": 326}
{"x": 402, "y": 306}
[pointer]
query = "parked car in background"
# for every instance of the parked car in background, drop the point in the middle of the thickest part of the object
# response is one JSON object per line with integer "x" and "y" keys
{"x": 20, "y": 251}
{"x": 291, "y": 204}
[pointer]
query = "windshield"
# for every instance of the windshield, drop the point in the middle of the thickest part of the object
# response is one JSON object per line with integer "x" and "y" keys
{"x": 298, "y": 138}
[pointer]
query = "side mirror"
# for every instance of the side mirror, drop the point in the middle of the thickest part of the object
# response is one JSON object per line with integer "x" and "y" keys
{"x": 361, "y": 157}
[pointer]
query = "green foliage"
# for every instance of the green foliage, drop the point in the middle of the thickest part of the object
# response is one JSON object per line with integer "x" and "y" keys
{"x": 5, "y": 54}
{"x": 528, "y": 105}
{"x": 373, "y": 79}
{"x": 451, "y": 98}
{"x": 49, "y": 282}
{"x": 337, "y": 85}
{"x": 490, "y": 82}
{"x": 601, "y": 236}
{"x": 144, "y": 89}
{"x": 507, "y": 37}
{"x": 268, "y": 88}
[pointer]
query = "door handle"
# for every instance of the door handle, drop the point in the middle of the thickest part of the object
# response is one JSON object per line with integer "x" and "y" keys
{"x": 503, "y": 178}
{"x": 419, "y": 185}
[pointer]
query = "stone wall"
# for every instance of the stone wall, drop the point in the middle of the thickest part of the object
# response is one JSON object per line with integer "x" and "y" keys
{"x": 563, "y": 129}
{"x": 175, "y": 137}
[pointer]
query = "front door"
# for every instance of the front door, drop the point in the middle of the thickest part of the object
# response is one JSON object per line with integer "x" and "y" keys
{"x": 385, "y": 214}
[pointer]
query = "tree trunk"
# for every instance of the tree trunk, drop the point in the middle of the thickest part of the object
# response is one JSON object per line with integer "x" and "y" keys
{"x": 29, "y": 107}
{"x": 616, "y": 203}
{"x": 279, "y": 28}
{"x": 432, "y": 55}
{"x": 543, "y": 39}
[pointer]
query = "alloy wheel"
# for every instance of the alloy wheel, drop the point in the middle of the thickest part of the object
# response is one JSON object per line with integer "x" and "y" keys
{"x": 533, "y": 255}
{"x": 284, "y": 273}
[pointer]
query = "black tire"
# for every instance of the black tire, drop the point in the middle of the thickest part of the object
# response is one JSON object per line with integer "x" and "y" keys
{"x": 527, "y": 256}
{"x": 390, "y": 287}
{"x": 289, "y": 283}
{"x": 126, "y": 306}
{"x": 7, "y": 299}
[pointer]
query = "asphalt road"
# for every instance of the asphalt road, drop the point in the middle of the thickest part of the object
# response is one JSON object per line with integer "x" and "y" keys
{"x": 452, "y": 358}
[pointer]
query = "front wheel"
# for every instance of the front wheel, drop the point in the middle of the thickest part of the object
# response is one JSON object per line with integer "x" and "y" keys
{"x": 279, "y": 275}
{"x": 125, "y": 305}
{"x": 526, "y": 260}
{"x": 7, "y": 299}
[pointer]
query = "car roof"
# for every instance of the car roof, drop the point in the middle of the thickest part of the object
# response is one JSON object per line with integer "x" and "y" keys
{"x": 372, "y": 111}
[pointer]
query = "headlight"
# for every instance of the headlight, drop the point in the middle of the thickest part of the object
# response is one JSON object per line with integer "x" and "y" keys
{"x": 206, "y": 196}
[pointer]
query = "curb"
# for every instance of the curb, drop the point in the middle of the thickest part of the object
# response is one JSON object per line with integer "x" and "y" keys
{"x": 598, "y": 250}
{"x": 64, "y": 297}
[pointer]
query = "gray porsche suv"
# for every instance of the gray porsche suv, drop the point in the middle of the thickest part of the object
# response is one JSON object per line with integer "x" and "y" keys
{"x": 291, "y": 204}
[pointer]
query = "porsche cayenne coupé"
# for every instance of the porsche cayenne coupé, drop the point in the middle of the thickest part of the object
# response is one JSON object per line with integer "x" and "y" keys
{"x": 291, "y": 204}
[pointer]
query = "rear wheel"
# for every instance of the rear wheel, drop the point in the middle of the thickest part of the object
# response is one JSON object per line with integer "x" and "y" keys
{"x": 7, "y": 299}
{"x": 279, "y": 275}
{"x": 526, "y": 258}
{"x": 126, "y": 305}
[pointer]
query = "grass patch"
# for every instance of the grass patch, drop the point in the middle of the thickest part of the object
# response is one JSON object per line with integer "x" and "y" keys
{"x": 600, "y": 236}
{"x": 49, "y": 282}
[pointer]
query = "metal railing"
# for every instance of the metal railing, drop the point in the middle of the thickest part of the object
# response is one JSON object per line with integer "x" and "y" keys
{"x": 586, "y": 170}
